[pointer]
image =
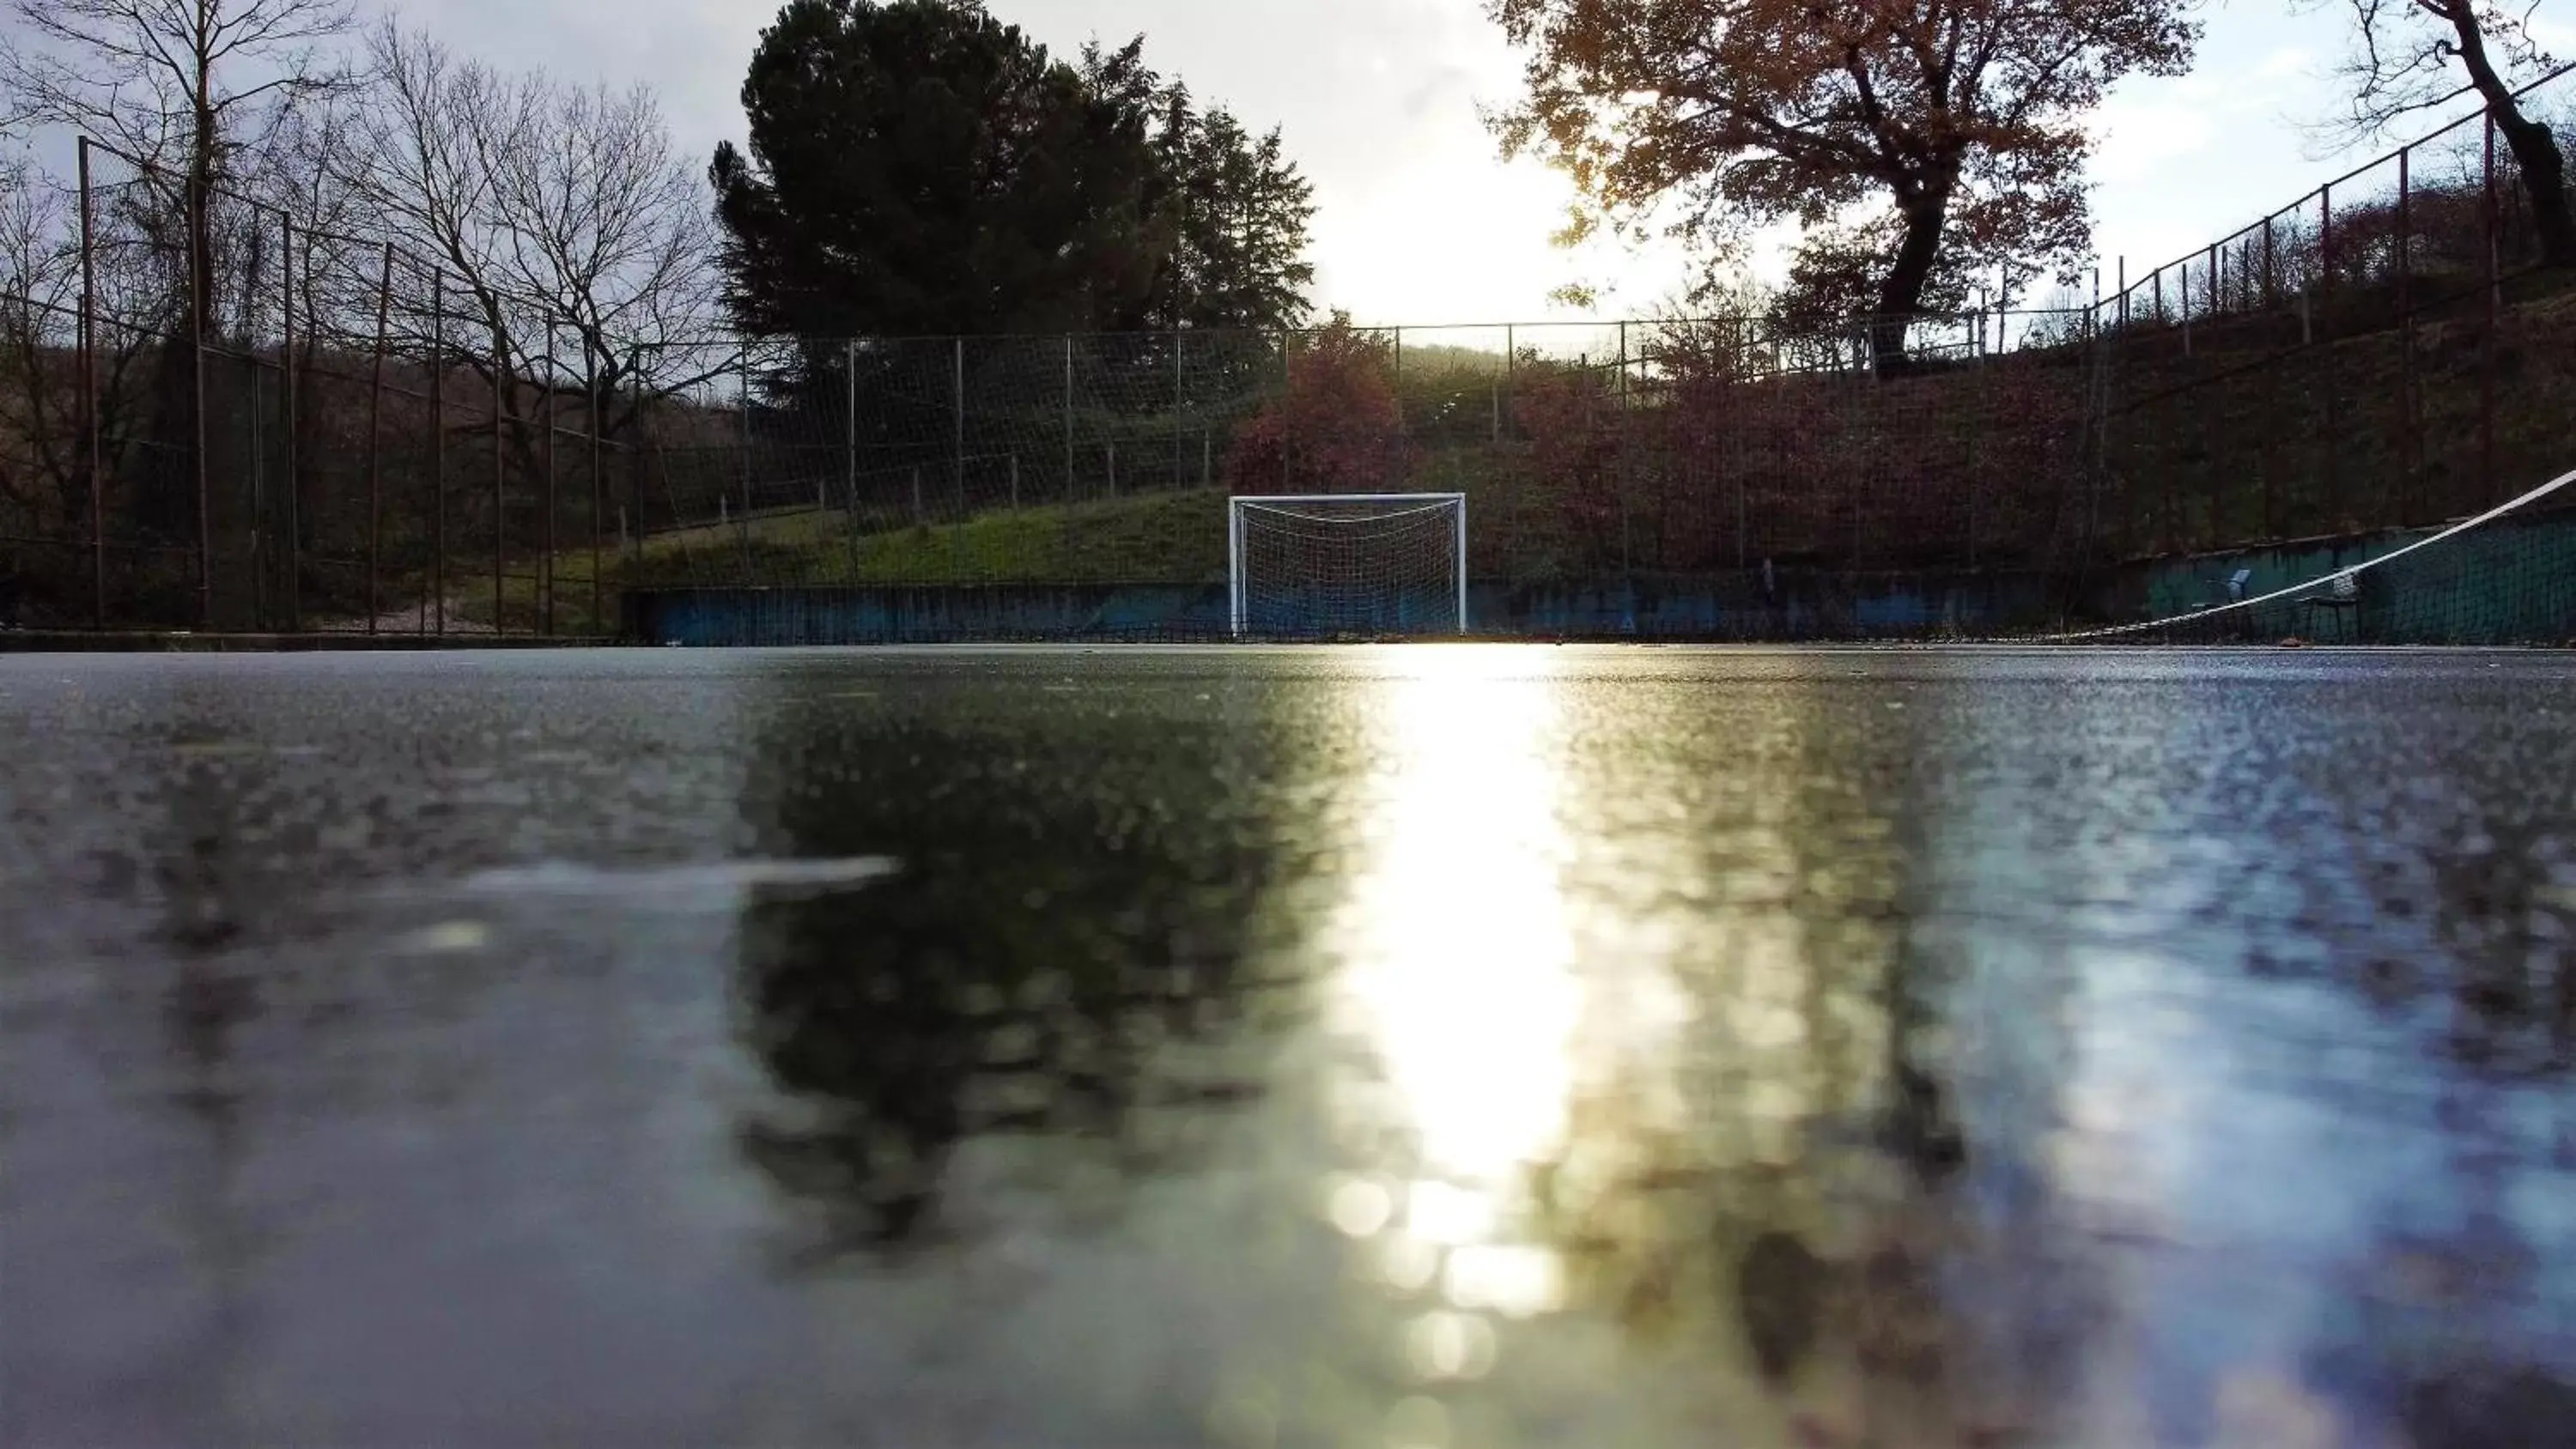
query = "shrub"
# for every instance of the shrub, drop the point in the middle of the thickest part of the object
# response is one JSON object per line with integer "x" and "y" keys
{"x": 1336, "y": 428}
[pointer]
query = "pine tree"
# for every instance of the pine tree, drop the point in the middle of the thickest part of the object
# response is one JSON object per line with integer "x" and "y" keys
{"x": 917, "y": 167}
{"x": 1239, "y": 218}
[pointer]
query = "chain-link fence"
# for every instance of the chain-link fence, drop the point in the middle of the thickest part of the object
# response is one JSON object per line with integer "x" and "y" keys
{"x": 222, "y": 420}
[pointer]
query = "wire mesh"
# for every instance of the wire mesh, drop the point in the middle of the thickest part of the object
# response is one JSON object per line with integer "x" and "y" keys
{"x": 1327, "y": 567}
{"x": 266, "y": 426}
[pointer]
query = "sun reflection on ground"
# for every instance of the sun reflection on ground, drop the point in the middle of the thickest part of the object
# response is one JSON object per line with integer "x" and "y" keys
{"x": 1461, "y": 974}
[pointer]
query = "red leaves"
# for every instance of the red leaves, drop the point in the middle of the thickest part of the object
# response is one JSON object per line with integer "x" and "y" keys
{"x": 1573, "y": 429}
{"x": 1337, "y": 428}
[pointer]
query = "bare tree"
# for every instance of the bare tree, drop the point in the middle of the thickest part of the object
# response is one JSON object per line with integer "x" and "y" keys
{"x": 187, "y": 89}
{"x": 45, "y": 473}
{"x": 189, "y": 86}
{"x": 35, "y": 286}
{"x": 2401, "y": 65}
{"x": 559, "y": 212}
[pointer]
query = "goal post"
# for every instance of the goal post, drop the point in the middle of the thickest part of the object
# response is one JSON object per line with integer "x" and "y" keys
{"x": 1345, "y": 565}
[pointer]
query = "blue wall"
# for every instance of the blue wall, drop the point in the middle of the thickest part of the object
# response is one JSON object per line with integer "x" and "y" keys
{"x": 2509, "y": 582}
{"x": 1794, "y": 606}
{"x": 2512, "y": 581}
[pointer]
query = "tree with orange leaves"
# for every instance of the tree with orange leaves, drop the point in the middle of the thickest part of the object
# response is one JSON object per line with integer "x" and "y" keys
{"x": 1337, "y": 428}
{"x": 1912, "y": 139}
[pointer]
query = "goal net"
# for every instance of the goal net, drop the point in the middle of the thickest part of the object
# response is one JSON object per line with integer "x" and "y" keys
{"x": 2506, "y": 576}
{"x": 1348, "y": 565}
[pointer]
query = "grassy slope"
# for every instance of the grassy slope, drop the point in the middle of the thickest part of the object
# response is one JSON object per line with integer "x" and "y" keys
{"x": 2199, "y": 466}
{"x": 2275, "y": 452}
{"x": 1172, "y": 537}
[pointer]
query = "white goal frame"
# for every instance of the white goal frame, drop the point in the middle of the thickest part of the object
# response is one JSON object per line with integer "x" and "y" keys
{"x": 1237, "y": 598}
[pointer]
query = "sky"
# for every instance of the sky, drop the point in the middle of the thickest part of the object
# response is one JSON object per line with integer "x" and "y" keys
{"x": 1420, "y": 222}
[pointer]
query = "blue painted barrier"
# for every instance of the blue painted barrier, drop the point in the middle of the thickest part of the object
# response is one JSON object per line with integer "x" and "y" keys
{"x": 1786, "y": 604}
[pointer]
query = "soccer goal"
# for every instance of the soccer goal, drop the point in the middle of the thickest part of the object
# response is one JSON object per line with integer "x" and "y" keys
{"x": 1347, "y": 565}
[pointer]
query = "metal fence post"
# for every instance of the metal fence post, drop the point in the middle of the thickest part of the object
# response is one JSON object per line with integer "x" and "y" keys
{"x": 743, "y": 358}
{"x": 500, "y": 369}
{"x": 850, "y": 496}
{"x": 957, "y": 440}
{"x": 546, "y": 493}
{"x": 2098, "y": 407}
{"x": 1732, "y": 449}
{"x": 2325, "y": 239}
{"x": 294, "y": 529}
{"x": 1069, "y": 464}
{"x": 2407, "y": 447}
{"x": 438, "y": 449}
{"x": 2326, "y": 357}
{"x": 259, "y": 494}
{"x": 90, "y": 424}
{"x": 1627, "y": 552}
{"x": 630, "y": 541}
{"x": 598, "y": 486}
{"x": 2495, "y": 299}
{"x": 198, "y": 302}
{"x": 2271, "y": 285}
{"x": 850, "y": 422}
{"x": 375, "y": 443}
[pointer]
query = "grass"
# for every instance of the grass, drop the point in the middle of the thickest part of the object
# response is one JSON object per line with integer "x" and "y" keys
{"x": 1166, "y": 538}
{"x": 2226, "y": 447}
{"x": 2317, "y": 441}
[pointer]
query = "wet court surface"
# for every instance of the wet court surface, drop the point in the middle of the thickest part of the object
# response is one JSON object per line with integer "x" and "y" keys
{"x": 1416, "y": 1047}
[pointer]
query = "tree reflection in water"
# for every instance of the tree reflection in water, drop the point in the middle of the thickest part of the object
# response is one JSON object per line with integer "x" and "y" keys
{"x": 1063, "y": 932}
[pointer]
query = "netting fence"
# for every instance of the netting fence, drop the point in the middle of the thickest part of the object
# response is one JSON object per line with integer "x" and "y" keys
{"x": 217, "y": 418}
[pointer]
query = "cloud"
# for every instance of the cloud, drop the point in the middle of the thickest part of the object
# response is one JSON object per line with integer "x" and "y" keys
{"x": 1446, "y": 82}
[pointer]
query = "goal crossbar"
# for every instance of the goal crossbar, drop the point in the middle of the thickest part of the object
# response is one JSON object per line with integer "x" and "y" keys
{"x": 1303, "y": 507}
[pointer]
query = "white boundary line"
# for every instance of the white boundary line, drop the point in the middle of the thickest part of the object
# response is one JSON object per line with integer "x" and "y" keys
{"x": 2323, "y": 580}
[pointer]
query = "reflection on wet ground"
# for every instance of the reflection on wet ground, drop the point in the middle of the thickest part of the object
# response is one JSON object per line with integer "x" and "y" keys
{"x": 1429, "y": 1047}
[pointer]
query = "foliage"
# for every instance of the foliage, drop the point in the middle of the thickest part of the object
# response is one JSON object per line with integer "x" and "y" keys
{"x": 1919, "y": 137}
{"x": 1236, "y": 211}
{"x": 1335, "y": 428}
{"x": 1573, "y": 426}
{"x": 917, "y": 167}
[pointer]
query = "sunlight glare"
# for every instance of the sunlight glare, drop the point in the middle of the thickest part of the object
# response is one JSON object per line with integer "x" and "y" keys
{"x": 1462, "y": 974}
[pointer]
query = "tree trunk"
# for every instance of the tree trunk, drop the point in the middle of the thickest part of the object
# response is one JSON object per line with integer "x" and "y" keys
{"x": 2535, "y": 151}
{"x": 2544, "y": 176}
{"x": 1900, "y": 292}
